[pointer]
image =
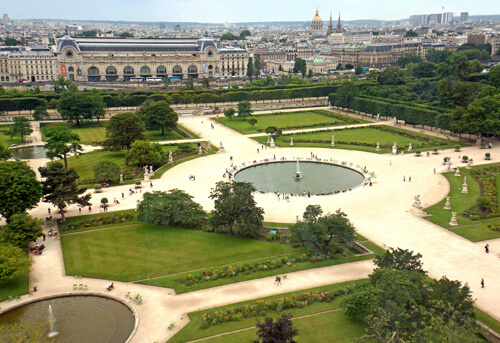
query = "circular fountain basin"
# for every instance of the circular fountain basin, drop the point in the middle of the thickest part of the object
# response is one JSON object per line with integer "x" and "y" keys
{"x": 78, "y": 319}
{"x": 315, "y": 177}
{"x": 29, "y": 153}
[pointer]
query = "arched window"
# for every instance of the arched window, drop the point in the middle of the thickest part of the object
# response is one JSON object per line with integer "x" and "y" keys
{"x": 110, "y": 71}
{"x": 71, "y": 69}
{"x": 161, "y": 70}
{"x": 177, "y": 70}
{"x": 6, "y": 78}
{"x": 2, "y": 79}
{"x": 128, "y": 70}
{"x": 145, "y": 70}
{"x": 192, "y": 70}
{"x": 93, "y": 71}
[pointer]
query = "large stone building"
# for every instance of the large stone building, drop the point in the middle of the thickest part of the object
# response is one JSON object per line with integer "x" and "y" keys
{"x": 38, "y": 64}
{"x": 99, "y": 59}
{"x": 317, "y": 24}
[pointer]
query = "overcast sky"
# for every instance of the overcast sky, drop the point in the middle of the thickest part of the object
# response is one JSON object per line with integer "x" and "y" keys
{"x": 220, "y": 11}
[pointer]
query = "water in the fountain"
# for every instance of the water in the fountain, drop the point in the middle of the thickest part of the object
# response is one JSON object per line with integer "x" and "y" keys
{"x": 298, "y": 174}
{"x": 51, "y": 323}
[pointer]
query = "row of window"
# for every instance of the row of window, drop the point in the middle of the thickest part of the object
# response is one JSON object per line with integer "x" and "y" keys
{"x": 145, "y": 70}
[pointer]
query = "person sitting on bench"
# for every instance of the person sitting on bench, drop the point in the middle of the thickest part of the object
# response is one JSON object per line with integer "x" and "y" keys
{"x": 110, "y": 287}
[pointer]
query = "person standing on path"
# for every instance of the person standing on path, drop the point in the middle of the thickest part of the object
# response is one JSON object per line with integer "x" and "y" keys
{"x": 409, "y": 178}
{"x": 404, "y": 178}
{"x": 48, "y": 210}
{"x": 482, "y": 283}
{"x": 487, "y": 248}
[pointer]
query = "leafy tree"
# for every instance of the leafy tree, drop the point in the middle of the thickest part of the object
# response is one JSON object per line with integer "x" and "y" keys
{"x": 250, "y": 68}
{"x": 60, "y": 187}
{"x": 9, "y": 41}
{"x": 190, "y": 83}
{"x": 252, "y": 121}
{"x": 372, "y": 75}
{"x": 399, "y": 259}
{"x": 300, "y": 66}
{"x": 19, "y": 188}
{"x": 63, "y": 84}
{"x": 13, "y": 262}
{"x": 318, "y": 231}
{"x": 5, "y": 153}
{"x": 144, "y": 152}
{"x": 76, "y": 107}
{"x": 437, "y": 56}
{"x": 166, "y": 82}
{"x": 227, "y": 36}
{"x": 21, "y": 127}
{"x": 402, "y": 61}
{"x": 122, "y": 130}
{"x": 41, "y": 113}
{"x": 391, "y": 76}
{"x": 61, "y": 141}
{"x": 205, "y": 83}
{"x": 411, "y": 33}
{"x": 244, "y": 109}
{"x": 174, "y": 207}
{"x": 494, "y": 77}
{"x": 481, "y": 117}
{"x": 310, "y": 73}
{"x": 345, "y": 94}
{"x": 22, "y": 228}
{"x": 244, "y": 34}
{"x": 424, "y": 69}
{"x": 106, "y": 171}
{"x": 235, "y": 210}
{"x": 159, "y": 114}
{"x": 126, "y": 35}
{"x": 279, "y": 331}
{"x": 89, "y": 33}
{"x": 269, "y": 80}
{"x": 455, "y": 66}
{"x": 256, "y": 67}
{"x": 359, "y": 69}
{"x": 229, "y": 112}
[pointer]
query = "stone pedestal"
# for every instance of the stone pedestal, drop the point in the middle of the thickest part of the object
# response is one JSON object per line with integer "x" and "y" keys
{"x": 378, "y": 147}
{"x": 453, "y": 221}
{"x": 291, "y": 141}
{"x": 333, "y": 140}
{"x": 209, "y": 145}
{"x": 121, "y": 179}
{"x": 457, "y": 172}
{"x": 200, "y": 151}
{"x": 410, "y": 148}
{"x": 417, "y": 207}
{"x": 465, "y": 187}
{"x": 271, "y": 143}
{"x": 447, "y": 205}
{"x": 221, "y": 147}
{"x": 170, "y": 158}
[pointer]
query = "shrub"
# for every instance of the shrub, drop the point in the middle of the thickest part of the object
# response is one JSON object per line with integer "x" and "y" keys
{"x": 487, "y": 155}
{"x": 457, "y": 147}
{"x": 465, "y": 158}
{"x": 98, "y": 188}
{"x": 104, "y": 200}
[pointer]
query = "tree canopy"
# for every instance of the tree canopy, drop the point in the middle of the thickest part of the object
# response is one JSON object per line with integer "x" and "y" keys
{"x": 279, "y": 331}
{"x": 391, "y": 76}
{"x": 19, "y": 188}
{"x": 76, "y": 106}
{"x": 63, "y": 84}
{"x": 106, "y": 171}
{"x": 5, "y": 152}
{"x": 13, "y": 262}
{"x": 61, "y": 141}
{"x": 60, "y": 187}
{"x": 317, "y": 231}
{"x": 174, "y": 207}
{"x": 23, "y": 228}
{"x": 122, "y": 130}
{"x": 346, "y": 92}
{"x": 144, "y": 152}
{"x": 229, "y": 112}
{"x": 244, "y": 109}
{"x": 300, "y": 66}
{"x": 159, "y": 114}
{"x": 235, "y": 209}
{"x": 21, "y": 127}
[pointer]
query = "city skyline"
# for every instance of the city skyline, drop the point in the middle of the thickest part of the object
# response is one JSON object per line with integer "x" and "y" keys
{"x": 220, "y": 11}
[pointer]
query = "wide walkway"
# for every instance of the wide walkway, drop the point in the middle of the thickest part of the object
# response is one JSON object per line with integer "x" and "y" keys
{"x": 379, "y": 213}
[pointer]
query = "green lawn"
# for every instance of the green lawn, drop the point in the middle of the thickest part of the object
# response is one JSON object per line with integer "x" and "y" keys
{"x": 15, "y": 287}
{"x": 473, "y": 230}
{"x": 364, "y": 139}
{"x": 327, "y": 327}
{"x": 94, "y": 133}
{"x": 5, "y": 140}
{"x": 288, "y": 121}
{"x": 142, "y": 251}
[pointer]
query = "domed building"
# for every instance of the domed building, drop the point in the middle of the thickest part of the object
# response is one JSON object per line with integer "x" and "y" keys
{"x": 317, "y": 23}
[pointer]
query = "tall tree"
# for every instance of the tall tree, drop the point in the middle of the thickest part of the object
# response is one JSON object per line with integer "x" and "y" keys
{"x": 256, "y": 67}
{"x": 205, "y": 83}
{"x": 244, "y": 109}
{"x": 144, "y": 152}
{"x": 63, "y": 84}
{"x": 122, "y": 130}
{"x": 23, "y": 228}
{"x": 190, "y": 83}
{"x": 279, "y": 331}
{"x": 41, "y": 113}
{"x": 317, "y": 231}
{"x": 300, "y": 66}
{"x": 60, "y": 187}
{"x": 13, "y": 262}
{"x": 345, "y": 94}
{"x": 174, "y": 207}
{"x": 19, "y": 188}
{"x": 159, "y": 114}
{"x": 250, "y": 68}
{"x": 74, "y": 106}
{"x": 229, "y": 113}
{"x": 437, "y": 56}
{"x": 60, "y": 142}
{"x": 391, "y": 76}
{"x": 106, "y": 171}
{"x": 235, "y": 210}
{"x": 399, "y": 259}
{"x": 21, "y": 127}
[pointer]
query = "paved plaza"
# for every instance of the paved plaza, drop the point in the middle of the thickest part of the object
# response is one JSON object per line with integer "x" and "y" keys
{"x": 380, "y": 213}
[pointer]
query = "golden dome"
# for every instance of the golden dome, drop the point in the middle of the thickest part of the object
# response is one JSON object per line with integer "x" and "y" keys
{"x": 317, "y": 17}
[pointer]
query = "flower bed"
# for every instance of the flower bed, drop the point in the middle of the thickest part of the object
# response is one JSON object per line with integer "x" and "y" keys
{"x": 231, "y": 271}
{"x": 262, "y": 308}
{"x": 99, "y": 221}
{"x": 487, "y": 179}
